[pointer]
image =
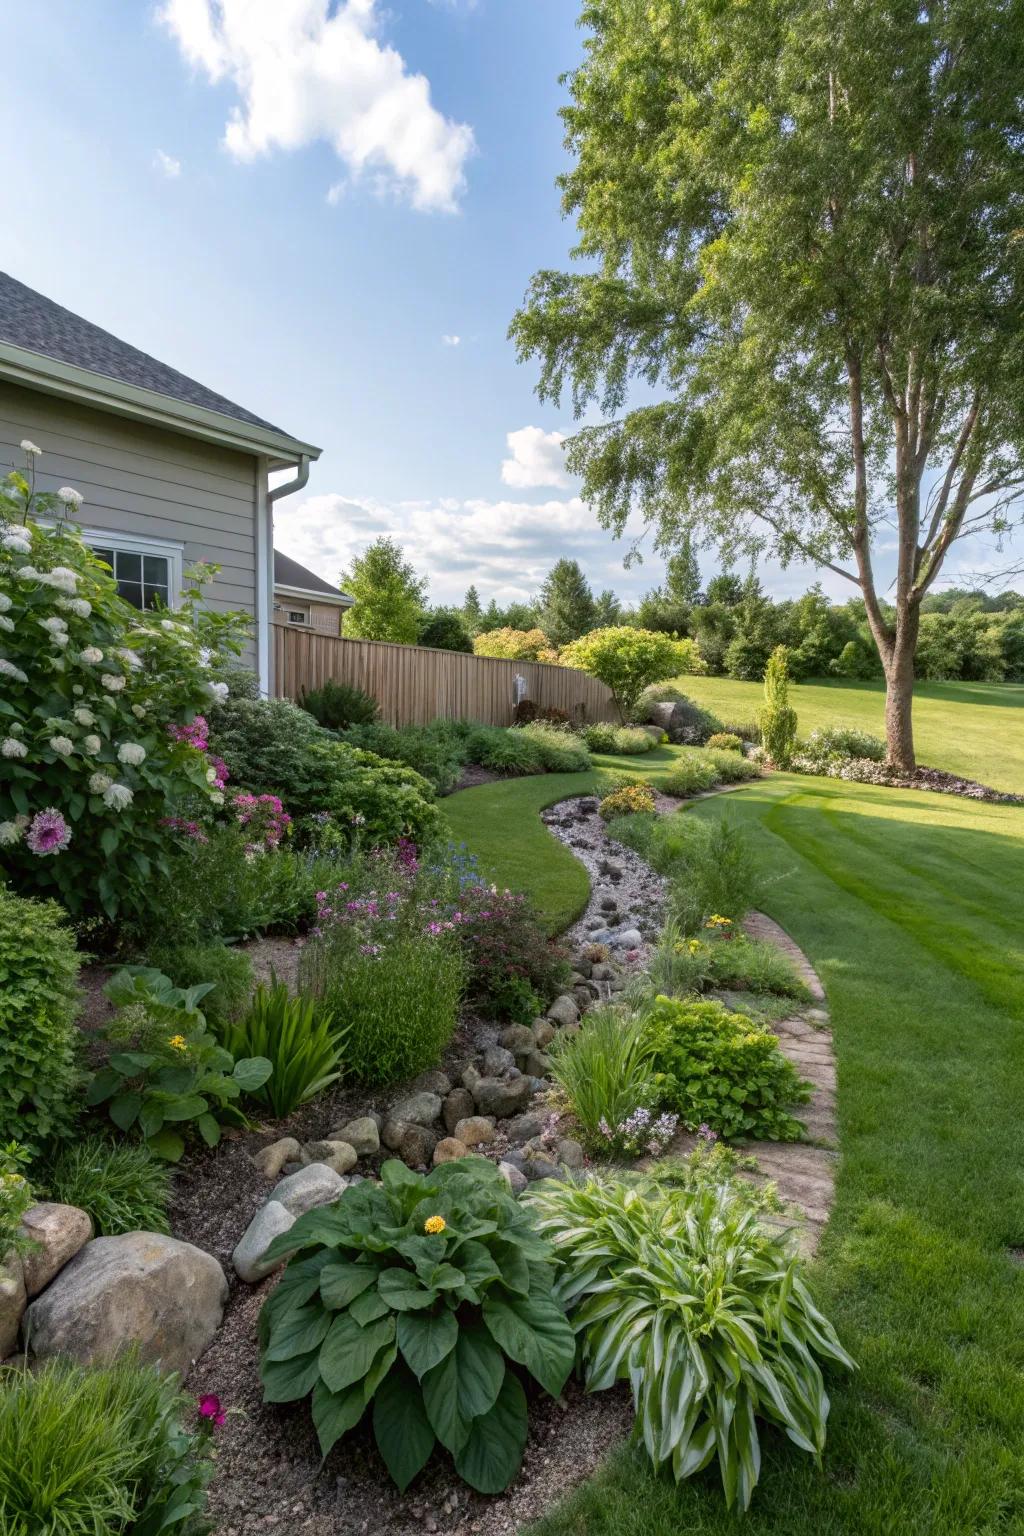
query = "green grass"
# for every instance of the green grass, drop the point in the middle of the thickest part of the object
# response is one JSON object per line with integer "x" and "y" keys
{"x": 911, "y": 906}
{"x": 975, "y": 729}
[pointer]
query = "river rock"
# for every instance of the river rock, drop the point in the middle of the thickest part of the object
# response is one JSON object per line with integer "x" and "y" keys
{"x": 421, "y": 1108}
{"x": 497, "y": 1061}
{"x": 338, "y": 1155}
{"x": 524, "y": 1127}
{"x": 564, "y": 1010}
{"x": 431, "y": 1081}
{"x": 570, "y": 1153}
{"x": 475, "y": 1131}
{"x": 456, "y": 1107}
{"x": 537, "y": 1064}
{"x": 314, "y": 1185}
{"x": 362, "y": 1135}
{"x": 58, "y": 1232}
{"x": 248, "y": 1258}
{"x": 543, "y": 1033}
{"x": 515, "y": 1177}
{"x": 414, "y": 1143}
{"x": 448, "y": 1150}
{"x": 502, "y": 1096}
{"x": 273, "y": 1158}
{"x": 161, "y": 1295}
{"x": 628, "y": 938}
{"x": 517, "y": 1039}
{"x": 12, "y": 1303}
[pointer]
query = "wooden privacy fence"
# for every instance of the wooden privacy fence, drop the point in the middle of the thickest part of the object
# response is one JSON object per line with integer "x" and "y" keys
{"x": 413, "y": 684}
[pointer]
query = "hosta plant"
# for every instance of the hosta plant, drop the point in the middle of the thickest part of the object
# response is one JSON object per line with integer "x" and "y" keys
{"x": 419, "y": 1295}
{"x": 174, "y": 1072}
{"x": 705, "y": 1312}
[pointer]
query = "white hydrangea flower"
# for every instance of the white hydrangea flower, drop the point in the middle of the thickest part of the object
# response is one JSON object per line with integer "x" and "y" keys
{"x": 54, "y": 624}
{"x": 130, "y": 752}
{"x": 91, "y": 745}
{"x": 138, "y": 710}
{"x": 129, "y": 657}
{"x": 99, "y": 783}
{"x": 70, "y": 496}
{"x": 111, "y": 682}
{"x": 12, "y": 747}
{"x": 62, "y": 745}
{"x": 61, "y": 639}
{"x": 83, "y": 716}
{"x": 6, "y": 623}
{"x": 92, "y": 655}
{"x": 218, "y": 692}
{"x": 216, "y": 798}
{"x": 64, "y": 579}
{"x": 10, "y": 833}
{"x": 5, "y": 602}
{"x": 8, "y": 669}
{"x": 28, "y": 572}
{"x": 117, "y": 797}
{"x": 77, "y": 690}
{"x": 211, "y": 775}
{"x": 79, "y": 606}
{"x": 16, "y": 545}
{"x": 28, "y": 446}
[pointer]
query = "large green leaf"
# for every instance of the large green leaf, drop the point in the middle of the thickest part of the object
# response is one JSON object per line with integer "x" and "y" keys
{"x": 348, "y": 1350}
{"x": 124, "y": 1110}
{"x": 285, "y": 1381}
{"x": 188, "y": 1108}
{"x": 334, "y": 1413}
{"x": 102, "y": 1086}
{"x": 252, "y": 1072}
{"x": 403, "y": 1292}
{"x": 534, "y": 1331}
{"x": 425, "y": 1338}
{"x": 368, "y": 1307}
{"x": 299, "y": 1330}
{"x": 403, "y": 1433}
{"x": 168, "y": 1145}
{"x": 494, "y": 1449}
{"x": 341, "y": 1282}
{"x": 464, "y": 1385}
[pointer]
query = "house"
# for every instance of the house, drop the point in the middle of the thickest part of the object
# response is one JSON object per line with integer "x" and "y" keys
{"x": 305, "y": 600}
{"x": 171, "y": 471}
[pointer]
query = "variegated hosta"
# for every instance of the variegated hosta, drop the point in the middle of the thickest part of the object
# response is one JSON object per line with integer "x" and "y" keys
{"x": 706, "y": 1313}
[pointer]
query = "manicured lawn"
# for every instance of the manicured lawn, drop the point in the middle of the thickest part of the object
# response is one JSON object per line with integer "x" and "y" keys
{"x": 911, "y": 906}
{"x": 976, "y": 729}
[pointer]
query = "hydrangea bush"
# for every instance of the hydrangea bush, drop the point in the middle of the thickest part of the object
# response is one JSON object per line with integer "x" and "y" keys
{"x": 98, "y": 710}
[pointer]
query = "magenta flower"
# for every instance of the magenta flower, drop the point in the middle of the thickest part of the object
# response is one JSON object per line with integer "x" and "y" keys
{"x": 48, "y": 832}
{"x": 210, "y": 1409}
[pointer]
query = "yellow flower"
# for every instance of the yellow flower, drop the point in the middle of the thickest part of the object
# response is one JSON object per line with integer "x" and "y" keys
{"x": 178, "y": 1043}
{"x": 715, "y": 921}
{"x": 434, "y": 1224}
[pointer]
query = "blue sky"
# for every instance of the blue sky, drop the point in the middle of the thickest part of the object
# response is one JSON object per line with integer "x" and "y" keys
{"x": 328, "y": 212}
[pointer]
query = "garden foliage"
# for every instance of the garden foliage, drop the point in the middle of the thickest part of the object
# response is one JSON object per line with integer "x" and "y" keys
{"x": 605, "y": 1074}
{"x": 777, "y": 720}
{"x": 630, "y": 800}
{"x": 16, "y": 1197}
{"x": 300, "y": 1040}
{"x": 39, "y": 1076}
{"x": 122, "y": 1184}
{"x": 515, "y": 645}
{"x": 338, "y": 705}
{"x": 419, "y": 1295}
{"x": 626, "y": 660}
{"x": 710, "y": 864}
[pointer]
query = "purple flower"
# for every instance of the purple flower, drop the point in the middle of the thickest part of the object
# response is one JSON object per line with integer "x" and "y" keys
{"x": 705, "y": 1133}
{"x": 48, "y": 832}
{"x": 210, "y": 1409}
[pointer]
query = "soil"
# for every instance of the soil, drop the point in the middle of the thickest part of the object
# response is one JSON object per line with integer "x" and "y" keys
{"x": 472, "y": 774}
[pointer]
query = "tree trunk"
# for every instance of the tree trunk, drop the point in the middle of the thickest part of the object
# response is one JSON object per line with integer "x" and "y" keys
{"x": 899, "y": 693}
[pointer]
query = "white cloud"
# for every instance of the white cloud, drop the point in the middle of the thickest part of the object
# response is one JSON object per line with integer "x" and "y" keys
{"x": 451, "y": 341}
{"x": 537, "y": 459}
{"x": 307, "y": 70}
{"x": 167, "y": 165}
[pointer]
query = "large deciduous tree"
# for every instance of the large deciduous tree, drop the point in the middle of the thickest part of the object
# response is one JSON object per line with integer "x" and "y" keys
{"x": 803, "y": 228}
{"x": 389, "y": 596}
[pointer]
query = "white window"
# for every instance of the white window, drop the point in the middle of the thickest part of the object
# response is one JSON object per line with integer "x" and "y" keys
{"x": 147, "y": 571}
{"x": 298, "y": 616}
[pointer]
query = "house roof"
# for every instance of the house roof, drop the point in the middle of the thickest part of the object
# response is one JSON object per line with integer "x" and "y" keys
{"x": 67, "y": 347}
{"x": 293, "y": 577}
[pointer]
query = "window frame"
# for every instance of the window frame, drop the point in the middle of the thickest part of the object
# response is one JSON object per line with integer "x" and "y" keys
{"x": 144, "y": 544}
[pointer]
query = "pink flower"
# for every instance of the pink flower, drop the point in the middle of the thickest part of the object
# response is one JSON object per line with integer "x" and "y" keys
{"x": 210, "y": 1408}
{"x": 48, "y": 833}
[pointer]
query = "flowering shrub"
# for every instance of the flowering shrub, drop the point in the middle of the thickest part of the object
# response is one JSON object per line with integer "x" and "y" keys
{"x": 724, "y": 741}
{"x": 641, "y": 1134}
{"x": 506, "y": 952}
{"x": 632, "y": 800}
{"x": 842, "y": 741}
{"x": 263, "y": 818}
{"x": 515, "y": 645}
{"x": 89, "y": 772}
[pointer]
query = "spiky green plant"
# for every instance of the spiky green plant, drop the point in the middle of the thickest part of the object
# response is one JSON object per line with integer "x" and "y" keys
{"x": 685, "y": 1294}
{"x": 298, "y": 1036}
{"x": 604, "y": 1070}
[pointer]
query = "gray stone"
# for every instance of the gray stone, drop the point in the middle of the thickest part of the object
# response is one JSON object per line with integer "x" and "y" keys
{"x": 564, "y": 1010}
{"x": 537, "y": 1064}
{"x": 502, "y": 1096}
{"x": 163, "y": 1296}
{"x": 12, "y": 1303}
{"x": 603, "y": 972}
{"x": 470, "y": 1077}
{"x": 515, "y": 1177}
{"x": 457, "y": 1106}
{"x": 498, "y": 1061}
{"x": 583, "y": 966}
{"x": 570, "y": 1153}
{"x": 524, "y": 1127}
{"x": 338, "y": 1155}
{"x": 273, "y": 1158}
{"x": 314, "y": 1185}
{"x": 448, "y": 1150}
{"x": 432, "y": 1081}
{"x": 475, "y": 1131}
{"x": 584, "y": 997}
{"x": 362, "y": 1135}
{"x": 628, "y": 938}
{"x": 601, "y": 935}
{"x": 535, "y": 1168}
{"x": 57, "y": 1232}
{"x": 421, "y": 1108}
{"x": 543, "y": 1033}
{"x": 414, "y": 1144}
{"x": 248, "y": 1258}
{"x": 518, "y": 1038}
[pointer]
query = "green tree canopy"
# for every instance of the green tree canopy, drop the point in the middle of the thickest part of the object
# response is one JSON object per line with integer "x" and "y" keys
{"x": 389, "y": 596}
{"x": 565, "y": 607}
{"x": 445, "y": 630}
{"x": 472, "y": 610}
{"x": 802, "y": 228}
{"x": 627, "y": 660}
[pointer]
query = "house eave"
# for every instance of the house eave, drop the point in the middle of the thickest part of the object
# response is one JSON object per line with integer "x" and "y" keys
{"x": 338, "y": 599}
{"x": 35, "y": 370}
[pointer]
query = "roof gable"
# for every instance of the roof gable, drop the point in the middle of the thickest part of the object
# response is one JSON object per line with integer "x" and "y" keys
{"x": 289, "y": 573}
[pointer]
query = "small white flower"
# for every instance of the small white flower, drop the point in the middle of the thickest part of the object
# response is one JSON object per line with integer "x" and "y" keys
{"x": 77, "y": 690}
{"x": 5, "y": 602}
{"x": 6, "y": 623}
{"x": 92, "y": 655}
{"x": 117, "y": 797}
{"x": 168, "y": 624}
{"x": 10, "y": 833}
{"x": 216, "y": 798}
{"x": 12, "y": 747}
{"x": 64, "y": 579}
{"x": 211, "y": 775}
{"x": 8, "y": 669}
{"x": 28, "y": 446}
{"x": 55, "y": 625}
{"x": 79, "y": 606}
{"x": 99, "y": 783}
{"x": 91, "y": 745}
{"x": 70, "y": 496}
{"x": 111, "y": 682}
{"x": 83, "y": 716}
{"x": 218, "y": 692}
{"x": 130, "y": 752}
{"x": 138, "y": 710}
{"x": 61, "y": 639}
{"x": 62, "y": 745}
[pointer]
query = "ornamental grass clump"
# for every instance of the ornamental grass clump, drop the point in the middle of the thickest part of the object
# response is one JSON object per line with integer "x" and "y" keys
{"x": 605, "y": 1075}
{"x": 703, "y": 1310}
{"x": 420, "y": 1296}
{"x": 298, "y": 1037}
{"x": 121, "y": 1184}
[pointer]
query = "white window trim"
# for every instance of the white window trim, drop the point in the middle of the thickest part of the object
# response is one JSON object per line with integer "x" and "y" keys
{"x": 138, "y": 544}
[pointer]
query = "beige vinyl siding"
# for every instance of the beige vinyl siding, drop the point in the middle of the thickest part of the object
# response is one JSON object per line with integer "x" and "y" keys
{"x": 144, "y": 480}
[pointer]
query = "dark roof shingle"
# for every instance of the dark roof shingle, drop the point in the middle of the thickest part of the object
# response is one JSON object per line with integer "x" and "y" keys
{"x": 289, "y": 573}
{"x": 34, "y": 322}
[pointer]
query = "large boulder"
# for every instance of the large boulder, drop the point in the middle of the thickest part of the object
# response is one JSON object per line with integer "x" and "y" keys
{"x": 161, "y": 1295}
{"x": 248, "y": 1259}
{"x": 502, "y": 1096}
{"x": 564, "y": 1010}
{"x": 57, "y": 1232}
{"x": 12, "y": 1304}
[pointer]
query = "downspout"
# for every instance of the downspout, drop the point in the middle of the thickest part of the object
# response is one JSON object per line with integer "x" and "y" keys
{"x": 272, "y": 496}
